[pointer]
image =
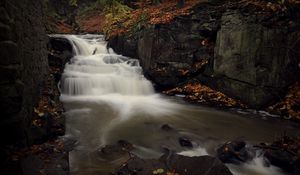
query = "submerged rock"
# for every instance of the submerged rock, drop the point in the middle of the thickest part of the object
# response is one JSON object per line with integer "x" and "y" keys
{"x": 112, "y": 152}
{"x": 166, "y": 127}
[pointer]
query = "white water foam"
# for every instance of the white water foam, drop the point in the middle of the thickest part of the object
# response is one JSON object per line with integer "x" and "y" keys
{"x": 198, "y": 151}
{"x": 98, "y": 76}
{"x": 257, "y": 166}
{"x": 111, "y": 79}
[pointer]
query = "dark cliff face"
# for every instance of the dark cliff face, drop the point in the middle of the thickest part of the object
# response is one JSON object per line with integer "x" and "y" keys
{"x": 23, "y": 66}
{"x": 247, "y": 54}
{"x": 252, "y": 61}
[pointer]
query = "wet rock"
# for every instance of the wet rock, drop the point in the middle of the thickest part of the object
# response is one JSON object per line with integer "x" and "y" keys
{"x": 185, "y": 142}
{"x": 60, "y": 51}
{"x": 125, "y": 145}
{"x": 234, "y": 152}
{"x": 69, "y": 144}
{"x": 124, "y": 45}
{"x": 166, "y": 127}
{"x": 112, "y": 152}
{"x": 281, "y": 158}
{"x": 56, "y": 164}
{"x": 59, "y": 44}
{"x": 166, "y": 150}
{"x": 196, "y": 165}
{"x": 174, "y": 163}
{"x": 283, "y": 152}
{"x": 140, "y": 166}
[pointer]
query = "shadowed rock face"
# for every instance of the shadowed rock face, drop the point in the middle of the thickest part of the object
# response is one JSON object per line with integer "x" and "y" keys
{"x": 254, "y": 60}
{"x": 250, "y": 57}
{"x": 23, "y": 66}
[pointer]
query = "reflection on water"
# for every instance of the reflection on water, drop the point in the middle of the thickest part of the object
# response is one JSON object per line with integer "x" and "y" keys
{"x": 107, "y": 99}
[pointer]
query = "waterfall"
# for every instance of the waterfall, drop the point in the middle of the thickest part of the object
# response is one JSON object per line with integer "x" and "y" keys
{"x": 107, "y": 99}
{"x": 97, "y": 75}
{"x": 102, "y": 73}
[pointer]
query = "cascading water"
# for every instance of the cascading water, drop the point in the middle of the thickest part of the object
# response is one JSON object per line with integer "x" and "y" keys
{"x": 95, "y": 72}
{"x": 114, "y": 83}
{"x": 95, "y": 75}
{"x": 108, "y": 99}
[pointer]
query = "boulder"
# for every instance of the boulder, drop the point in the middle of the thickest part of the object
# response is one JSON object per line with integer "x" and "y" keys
{"x": 60, "y": 51}
{"x": 196, "y": 165}
{"x": 234, "y": 152}
{"x": 281, "y": 158}
{"x": 59, "y": 44}
{"x": 174, "y": 163}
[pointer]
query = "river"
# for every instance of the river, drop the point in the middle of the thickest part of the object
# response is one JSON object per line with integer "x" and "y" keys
{"x": 108, "y": 99}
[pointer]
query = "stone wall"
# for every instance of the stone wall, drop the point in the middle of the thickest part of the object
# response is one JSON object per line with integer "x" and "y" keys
{"x": 23, "y": 66}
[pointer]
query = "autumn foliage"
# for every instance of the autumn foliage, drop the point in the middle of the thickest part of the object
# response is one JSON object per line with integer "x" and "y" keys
{"x": 289, "y": 107}
{"x": 196, "y": 92}
{"x": 147, "y": 13}
{"x": 91, "y": 21}
{"x": 167, "y": 11}
{"x": 271, "y": 6}
{"x": 58, "y": 26}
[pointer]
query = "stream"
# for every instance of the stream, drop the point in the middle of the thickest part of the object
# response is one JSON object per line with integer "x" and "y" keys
{"x": 108, "y": 99}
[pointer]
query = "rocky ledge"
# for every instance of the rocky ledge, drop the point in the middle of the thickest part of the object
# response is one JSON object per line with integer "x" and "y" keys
{"x": 282, "y": 153}
{"x": 247, "y": 49}
{"x": 169, "y": 163}
{"x": 173, "y": 164}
